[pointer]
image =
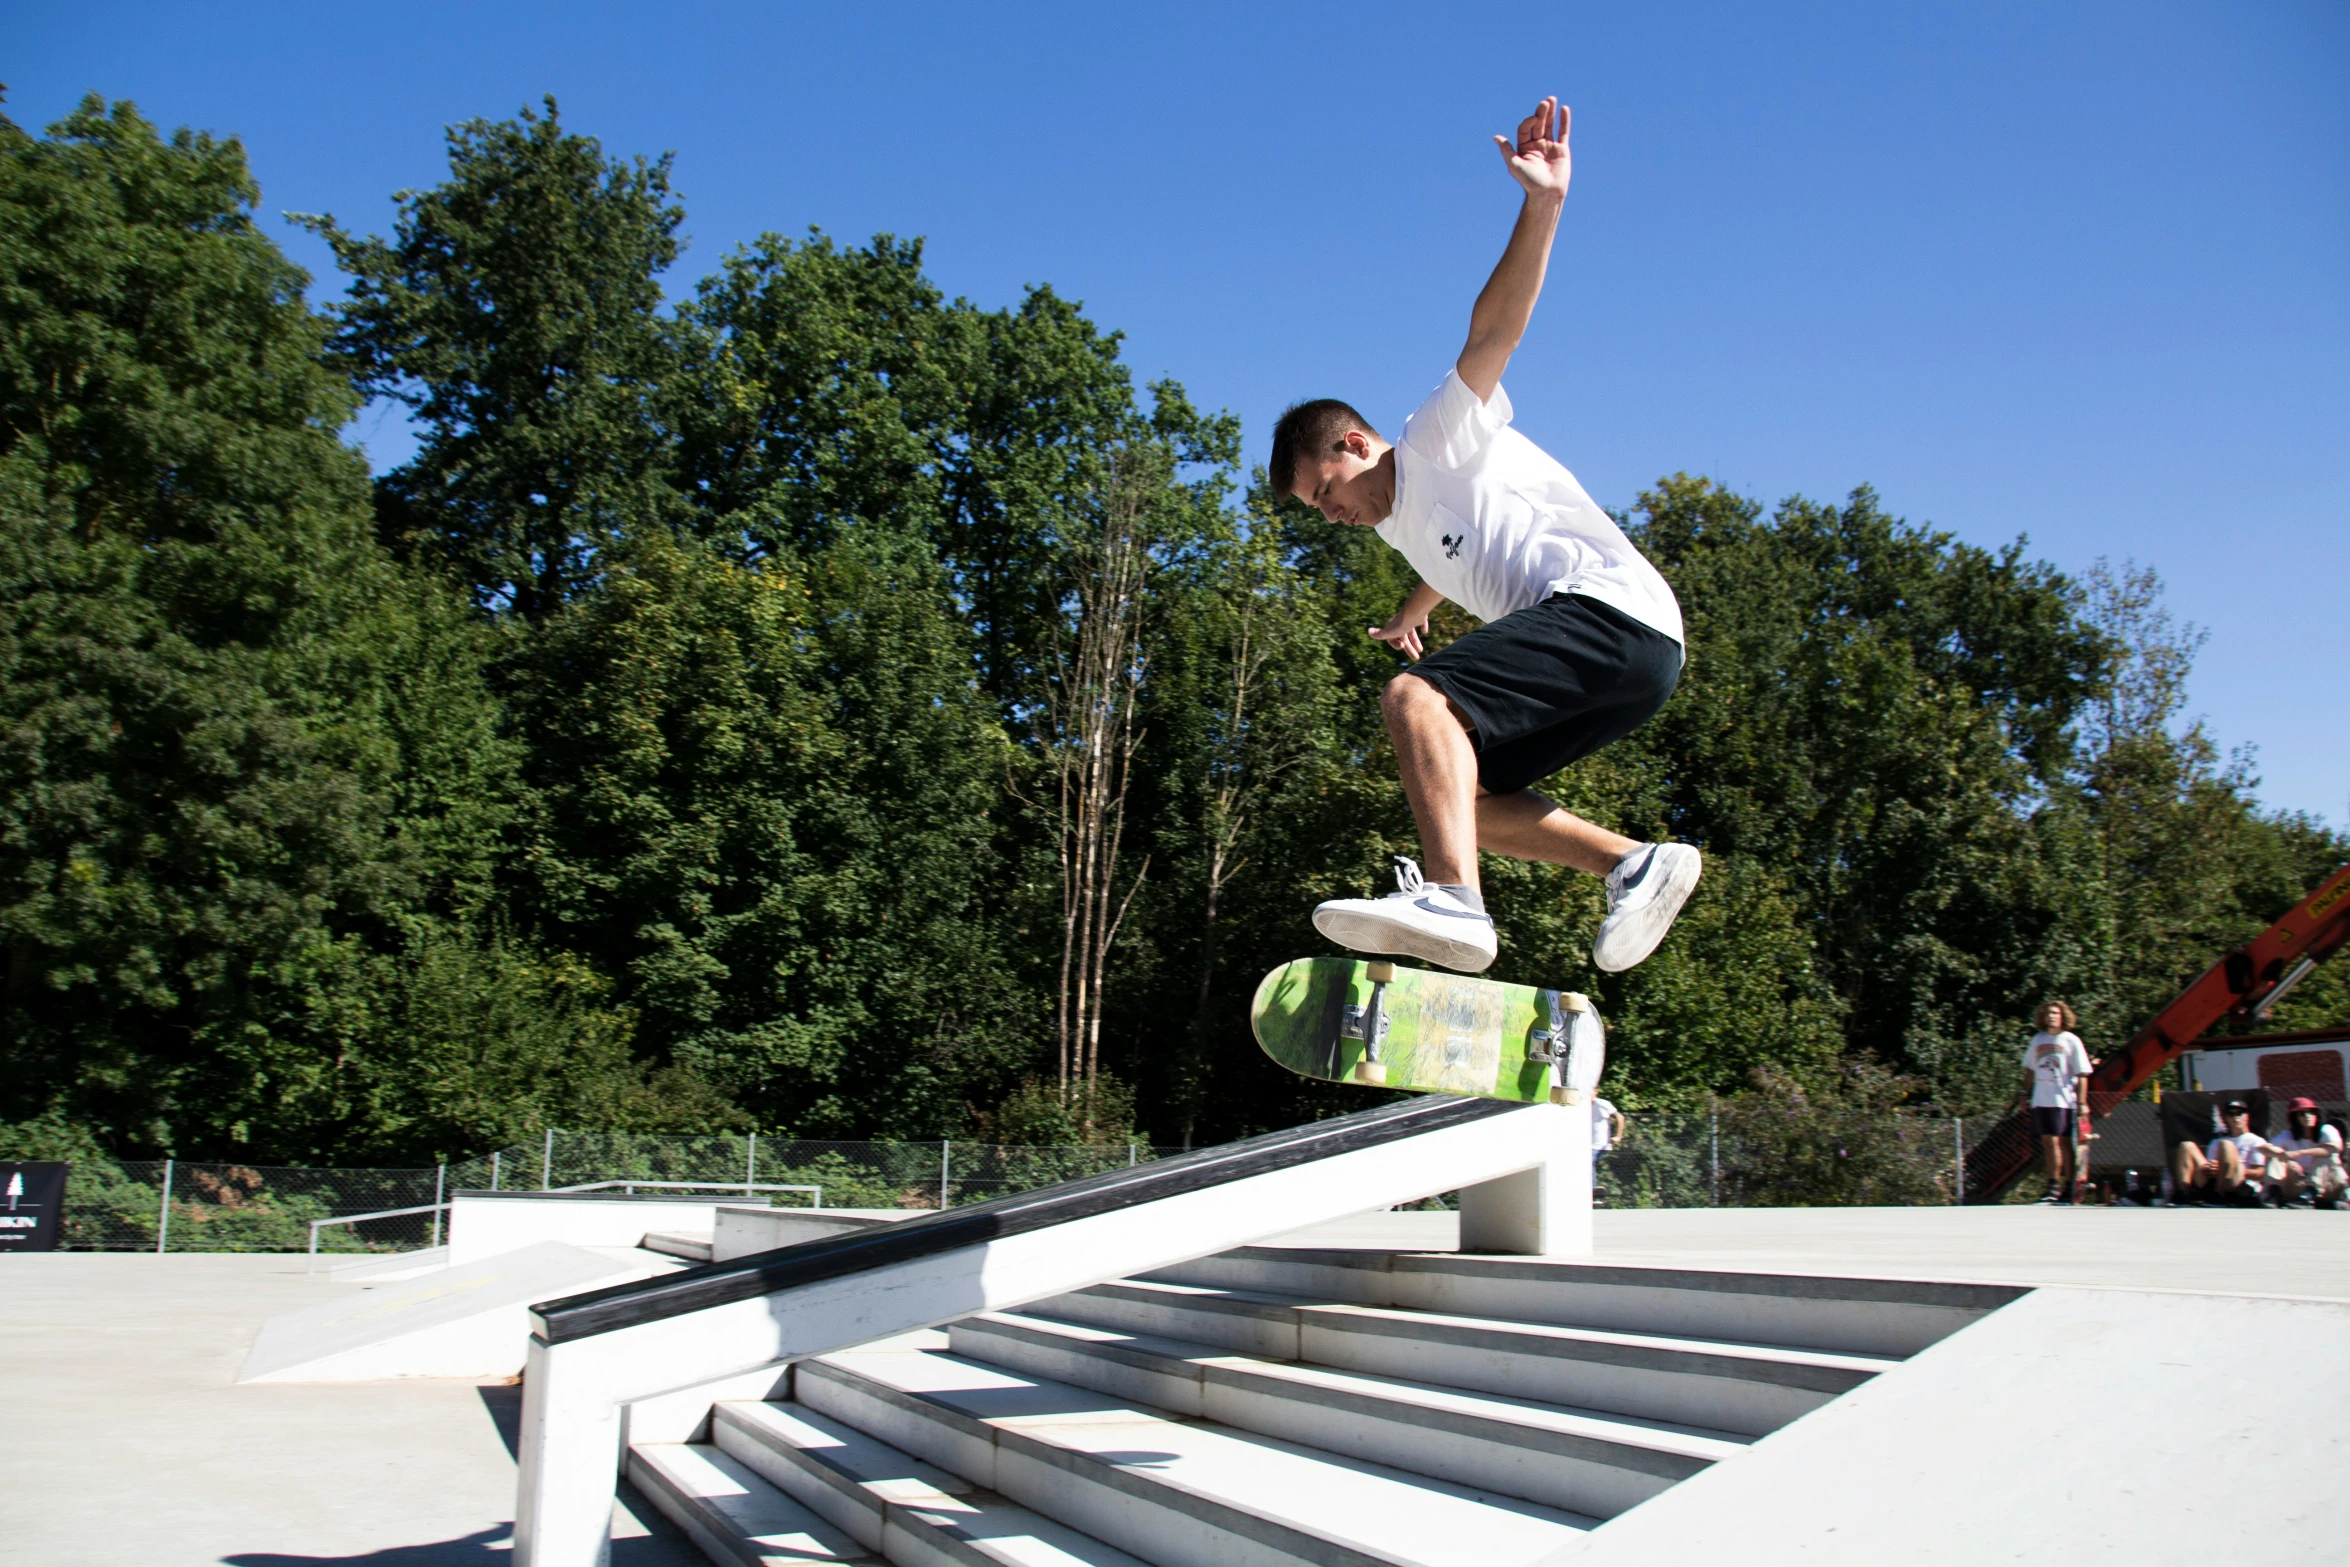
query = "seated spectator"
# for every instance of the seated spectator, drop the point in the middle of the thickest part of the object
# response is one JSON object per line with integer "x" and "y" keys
{"x": 2306, "y": 1170}
{"x": 2227, "y": 1169}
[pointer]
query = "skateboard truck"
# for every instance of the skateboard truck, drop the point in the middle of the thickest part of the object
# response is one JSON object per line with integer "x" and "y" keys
{"x": 1557, "y": 1048}
{"x": 1368, "y": 1023}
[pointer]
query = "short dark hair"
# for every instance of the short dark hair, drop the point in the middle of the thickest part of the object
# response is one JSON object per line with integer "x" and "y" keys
{"x": 1312, "y": 429}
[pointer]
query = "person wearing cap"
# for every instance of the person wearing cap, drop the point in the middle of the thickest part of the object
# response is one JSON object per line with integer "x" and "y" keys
{"x": 2307, "y": 1169}
{"x": 2228, "y": 1169}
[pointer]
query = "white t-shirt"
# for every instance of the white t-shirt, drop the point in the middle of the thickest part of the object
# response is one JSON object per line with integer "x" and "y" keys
{"x": 2054, "y": 1060}
{"x": 2248, "y": 1147}
{"x": 2328, "y": 1138}
{"x": 1495, "y": 524}
{"x": 1603, "y": 1117}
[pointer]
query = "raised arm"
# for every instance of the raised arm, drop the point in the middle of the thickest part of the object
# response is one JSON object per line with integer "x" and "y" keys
{"x": 1539, "y": 162}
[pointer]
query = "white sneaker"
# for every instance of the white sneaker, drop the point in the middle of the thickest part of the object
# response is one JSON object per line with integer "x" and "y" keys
{"x": 1644, "y": 893}
{"x": 1420, "y": 920}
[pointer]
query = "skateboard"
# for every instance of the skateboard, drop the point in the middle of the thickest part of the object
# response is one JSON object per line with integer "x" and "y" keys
{"x": 1376, "y": 1023}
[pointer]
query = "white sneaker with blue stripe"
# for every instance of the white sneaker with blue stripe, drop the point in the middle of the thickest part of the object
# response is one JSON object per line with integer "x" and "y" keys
{"x": 1421, "y": 919}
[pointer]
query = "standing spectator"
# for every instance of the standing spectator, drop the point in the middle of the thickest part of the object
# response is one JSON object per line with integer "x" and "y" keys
{"x": 1607, "y": 1129}
{"x": 2307, "y": 1171}
{"x": 2058, "y": 1067}
{"x": 2226, "y": 1170}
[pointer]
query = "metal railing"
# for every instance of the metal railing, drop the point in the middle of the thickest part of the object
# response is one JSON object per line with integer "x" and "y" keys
{"x": 433, "y": 1208}
{"x": 747, "y": 1188}
{"x": 1742, "y": 1157}
{"x": 436, "y": 1208}
{"x": 175, "y": 1205}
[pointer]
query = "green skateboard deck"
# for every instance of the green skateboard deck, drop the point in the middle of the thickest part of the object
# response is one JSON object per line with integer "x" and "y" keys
{"x": 1374, "y": 1022}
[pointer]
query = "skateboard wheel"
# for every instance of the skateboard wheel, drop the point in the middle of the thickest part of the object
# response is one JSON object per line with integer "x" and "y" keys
{"x": 1575, "y": 1001}
{"x": 1380, "y": 973}
{"x": 1372, "y": 1072}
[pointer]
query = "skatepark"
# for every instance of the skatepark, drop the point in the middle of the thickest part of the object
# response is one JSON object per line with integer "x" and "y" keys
{"x": 1238, "y": 786}
{"x": 1782, "y": 1385}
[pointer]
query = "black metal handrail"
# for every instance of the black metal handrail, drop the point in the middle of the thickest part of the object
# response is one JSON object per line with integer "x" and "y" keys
{"x": 832, "y": 1257}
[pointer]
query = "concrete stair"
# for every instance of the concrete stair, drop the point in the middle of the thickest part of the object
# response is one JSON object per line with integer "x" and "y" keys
{"x": 1272, "y": 1406}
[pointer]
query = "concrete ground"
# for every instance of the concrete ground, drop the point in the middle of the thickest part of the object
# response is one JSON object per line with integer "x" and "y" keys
{"x": 2226, "y": 1251}
{"x": 124, "y": 1439}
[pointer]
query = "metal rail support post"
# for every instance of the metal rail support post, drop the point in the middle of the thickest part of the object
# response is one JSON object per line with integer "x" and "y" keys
{"x": 547, "y": 1164}
{"x": 163, "y": 1214}
{"x": 1714, "y": 1142}
{"x": 945, "y": 1153}
{"x": 440, "y": 1190}
{"x": 750, "y": 1162}
{"x": 494, "y": 1159}
{"x": 1958, "y": 1159}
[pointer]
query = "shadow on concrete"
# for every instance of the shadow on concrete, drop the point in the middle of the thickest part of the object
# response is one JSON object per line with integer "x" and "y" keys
{"x": 661, "y": 1545}
{"x": 474, "y": 1550}
{"x": 502, "y": 1402}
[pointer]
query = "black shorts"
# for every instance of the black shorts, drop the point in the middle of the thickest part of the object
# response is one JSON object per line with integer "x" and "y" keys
{"x": 2051, "y": 1121}
{"x": 1551, "y": 684}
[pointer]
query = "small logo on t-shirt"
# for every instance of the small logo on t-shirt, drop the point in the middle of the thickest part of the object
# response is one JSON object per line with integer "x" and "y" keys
{"x": 1452, "y": 546}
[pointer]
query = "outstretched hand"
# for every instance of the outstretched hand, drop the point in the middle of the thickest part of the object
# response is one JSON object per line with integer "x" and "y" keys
{"x": 1403, "y": 630}
{"x": 1539, "y": 160}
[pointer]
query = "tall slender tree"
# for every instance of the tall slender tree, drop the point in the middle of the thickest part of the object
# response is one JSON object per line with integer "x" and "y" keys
{"x": 515, "y": 312}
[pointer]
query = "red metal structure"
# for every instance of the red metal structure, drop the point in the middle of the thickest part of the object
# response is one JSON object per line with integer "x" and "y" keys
{"x": 2245, "y": 983}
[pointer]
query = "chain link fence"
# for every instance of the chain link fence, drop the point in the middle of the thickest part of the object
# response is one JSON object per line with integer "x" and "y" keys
{"x": 1754, "y": 1157}
{"x": 179, "y": 1205}
{"x": 1741, "y": 1157}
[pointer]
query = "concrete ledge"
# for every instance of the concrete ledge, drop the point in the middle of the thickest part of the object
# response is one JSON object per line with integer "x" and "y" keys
{"x": 388, "y": 1268}
{"x": 485, "y": 1224}
{"x": 744, "y": 1231}
{"x": 455, "y": 1322}
{"x": 1972, "y": 1450}
{"x": 682, "y": 1244}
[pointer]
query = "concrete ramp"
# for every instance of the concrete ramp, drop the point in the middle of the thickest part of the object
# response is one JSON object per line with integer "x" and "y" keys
{"x": 2076, "y": 1426}
{"x": 469, "y": 1321}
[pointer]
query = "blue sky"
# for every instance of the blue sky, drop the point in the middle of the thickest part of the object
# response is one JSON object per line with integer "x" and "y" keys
{"x": 2074, "y": 271}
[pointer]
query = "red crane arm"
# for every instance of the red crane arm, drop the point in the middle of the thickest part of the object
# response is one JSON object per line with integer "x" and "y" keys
{"x": 2312, "y": 928}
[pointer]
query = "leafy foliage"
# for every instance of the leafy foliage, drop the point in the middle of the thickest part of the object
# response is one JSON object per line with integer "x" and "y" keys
{"x": 673, "y": 742}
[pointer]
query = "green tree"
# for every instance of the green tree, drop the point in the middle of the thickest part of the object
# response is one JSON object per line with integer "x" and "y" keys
{"x": 817, "y": 393}
{"x": 1873, "y": 713}
{"x": 251, "y": 770}
{"x": 763, "y": 796}
{"x": 515, "y": 311}
{"x": 2172, "y": 861}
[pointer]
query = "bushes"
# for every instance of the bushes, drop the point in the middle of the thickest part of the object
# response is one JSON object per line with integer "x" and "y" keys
{"x": 1844, "y": 1140}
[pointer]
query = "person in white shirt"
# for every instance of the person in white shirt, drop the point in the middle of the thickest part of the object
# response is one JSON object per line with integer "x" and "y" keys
{"x": 1607, "y": 1129}
{"x": 1582, "y": 641}
{"x": 1607, "y": 1125}
{"x": 2227, "y": 1169}
{"x": 2307, "y": 1168}
{"x": 2059, "y": 1066}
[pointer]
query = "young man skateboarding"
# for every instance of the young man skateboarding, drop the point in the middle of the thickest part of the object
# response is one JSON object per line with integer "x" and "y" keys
{"x": 1581, "y": 642}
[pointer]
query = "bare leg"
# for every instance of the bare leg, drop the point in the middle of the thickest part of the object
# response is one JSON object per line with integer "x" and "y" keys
{"x": 1526, "y": 826}
{"x": 2052, "y": 1155}
{"x": 1439, "y": 777}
